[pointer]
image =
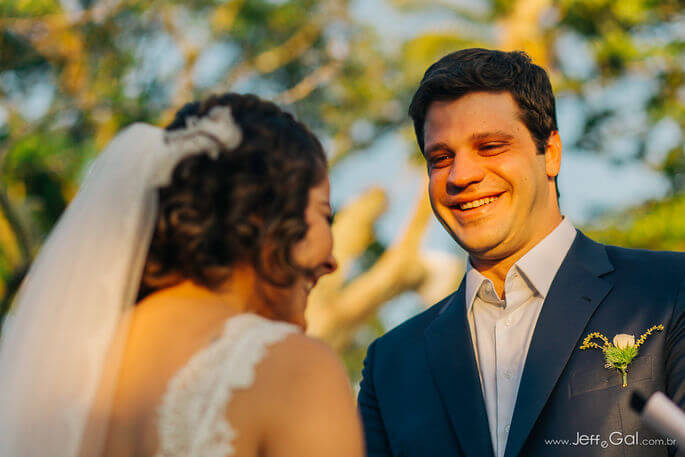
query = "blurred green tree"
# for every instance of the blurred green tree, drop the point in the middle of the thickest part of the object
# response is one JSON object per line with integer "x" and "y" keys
{"x": 75, "y": 72}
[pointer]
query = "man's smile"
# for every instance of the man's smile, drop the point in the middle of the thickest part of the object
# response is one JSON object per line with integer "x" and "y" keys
{"x": 469, "y": 204}
{"x": 476, "y": 203}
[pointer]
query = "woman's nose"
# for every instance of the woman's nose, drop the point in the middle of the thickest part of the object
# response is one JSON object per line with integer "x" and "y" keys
{"x": 330, "y": 265}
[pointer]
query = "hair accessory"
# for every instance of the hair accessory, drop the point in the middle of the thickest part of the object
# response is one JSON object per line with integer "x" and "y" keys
{"x": 209, "y": 134}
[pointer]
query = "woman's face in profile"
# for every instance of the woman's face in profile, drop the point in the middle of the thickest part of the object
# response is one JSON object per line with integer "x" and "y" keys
{"x": 314, "y": 252}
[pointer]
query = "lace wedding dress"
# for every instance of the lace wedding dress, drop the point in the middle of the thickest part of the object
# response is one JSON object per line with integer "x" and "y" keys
{"x": 192, "y": 415}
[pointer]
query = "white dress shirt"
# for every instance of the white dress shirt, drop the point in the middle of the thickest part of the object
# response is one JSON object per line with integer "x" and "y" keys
{"x": 501, "y": 330}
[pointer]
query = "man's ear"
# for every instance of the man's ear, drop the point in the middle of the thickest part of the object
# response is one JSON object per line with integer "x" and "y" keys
{"x": 553, "y": 154}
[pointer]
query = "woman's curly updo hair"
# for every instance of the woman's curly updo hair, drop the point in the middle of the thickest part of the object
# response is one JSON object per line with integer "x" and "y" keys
{"x": 219, "y": 212}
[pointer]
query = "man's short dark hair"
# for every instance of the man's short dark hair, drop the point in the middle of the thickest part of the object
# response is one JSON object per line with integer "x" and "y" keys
{"x": 485, "y": 70}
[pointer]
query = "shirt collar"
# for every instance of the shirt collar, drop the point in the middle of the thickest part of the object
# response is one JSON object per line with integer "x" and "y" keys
{"x": 474, "y": 281}
{"x": 539, "y": 265}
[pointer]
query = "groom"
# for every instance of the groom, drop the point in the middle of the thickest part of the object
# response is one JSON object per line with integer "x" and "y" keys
{"x": 496, "y": 368}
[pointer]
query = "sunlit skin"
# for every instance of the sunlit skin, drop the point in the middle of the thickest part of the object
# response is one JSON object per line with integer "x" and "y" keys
{"x": 313, "y": 253}
{"x": 171, "y": 325}
{"x": 477, "y": 147}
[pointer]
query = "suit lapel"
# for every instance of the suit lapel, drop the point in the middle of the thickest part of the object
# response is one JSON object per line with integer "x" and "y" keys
{"x": 575, "y": 293}
{"x": 453, "y": 367}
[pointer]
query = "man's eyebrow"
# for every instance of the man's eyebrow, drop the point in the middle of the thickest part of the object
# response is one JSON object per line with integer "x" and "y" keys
{"x": 497, "y": 134}
{"x": 437, "y": 147}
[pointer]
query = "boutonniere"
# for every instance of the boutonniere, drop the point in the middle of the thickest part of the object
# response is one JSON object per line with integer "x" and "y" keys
{"x": 623, "y": 350}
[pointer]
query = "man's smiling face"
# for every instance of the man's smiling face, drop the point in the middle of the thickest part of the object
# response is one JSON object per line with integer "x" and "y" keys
{"x": 488, "y": 185}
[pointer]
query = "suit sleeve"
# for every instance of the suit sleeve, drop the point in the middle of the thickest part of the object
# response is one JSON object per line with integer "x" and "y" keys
{"x": 377, "y": 444}
{"x": 675, "y": 357}
{"x": 675, "y": 351}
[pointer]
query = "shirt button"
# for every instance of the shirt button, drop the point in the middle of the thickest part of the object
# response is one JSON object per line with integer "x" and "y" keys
{"x": 506, "y": 428}
{"x": 508, "y": 374}
{"x": 507, "y": 323}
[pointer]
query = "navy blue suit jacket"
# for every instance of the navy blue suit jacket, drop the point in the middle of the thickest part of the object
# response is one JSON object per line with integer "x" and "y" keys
{"x": 421, "y": 396}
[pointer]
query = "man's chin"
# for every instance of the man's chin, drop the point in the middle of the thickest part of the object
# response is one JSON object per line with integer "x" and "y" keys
{"x": 479, "y": 246}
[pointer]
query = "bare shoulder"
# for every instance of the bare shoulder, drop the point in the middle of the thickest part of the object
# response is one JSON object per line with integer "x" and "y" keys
{"x": 304, "y": 356}
{"x": 308, "y": 402}
{"x": 300, "y": 366}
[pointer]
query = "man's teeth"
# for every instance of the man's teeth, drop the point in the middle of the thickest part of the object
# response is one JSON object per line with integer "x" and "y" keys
{"x": 477, "y": 203}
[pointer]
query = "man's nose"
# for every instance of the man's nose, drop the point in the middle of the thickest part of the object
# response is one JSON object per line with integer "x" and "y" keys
{"x": 466, "y": 169}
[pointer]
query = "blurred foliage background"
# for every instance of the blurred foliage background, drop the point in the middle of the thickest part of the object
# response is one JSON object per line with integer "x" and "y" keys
{"x": 74, "y": 72}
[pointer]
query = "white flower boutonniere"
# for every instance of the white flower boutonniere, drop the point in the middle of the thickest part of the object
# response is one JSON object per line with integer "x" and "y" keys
{"x": 623, "y": 350}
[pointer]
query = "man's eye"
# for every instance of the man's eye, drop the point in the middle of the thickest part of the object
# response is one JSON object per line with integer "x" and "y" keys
{"x": 329, "y": 218}
{"x": 491, "y": 146}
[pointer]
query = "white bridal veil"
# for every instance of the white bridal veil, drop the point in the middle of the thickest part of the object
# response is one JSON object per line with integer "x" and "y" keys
{"x": 65, "y": 326}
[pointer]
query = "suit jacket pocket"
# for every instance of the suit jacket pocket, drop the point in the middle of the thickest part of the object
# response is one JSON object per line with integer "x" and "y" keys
{"x": 583, "y": 381}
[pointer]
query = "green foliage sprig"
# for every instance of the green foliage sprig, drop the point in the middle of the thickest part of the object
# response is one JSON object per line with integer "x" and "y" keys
{"x": 623, "y": 350}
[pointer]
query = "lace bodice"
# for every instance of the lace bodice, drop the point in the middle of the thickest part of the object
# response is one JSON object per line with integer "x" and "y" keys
{"x": 192, "y": 415}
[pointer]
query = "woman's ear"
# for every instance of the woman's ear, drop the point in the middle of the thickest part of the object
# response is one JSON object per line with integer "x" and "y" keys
{"x": 271, "y": 262}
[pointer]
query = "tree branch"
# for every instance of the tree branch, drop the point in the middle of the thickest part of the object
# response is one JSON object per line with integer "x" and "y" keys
{"x": 521, "y": 30}
{"x": 313, "y": 80}
{"x": 98, "y": 12}
{"x": 270, "y": 60}
{"x": 184, "y": 82}
{"x": 20, "y": 234}
{"x": 335, "y": 312}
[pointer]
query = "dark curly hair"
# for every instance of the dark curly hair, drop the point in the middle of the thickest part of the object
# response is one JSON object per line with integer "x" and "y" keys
{"x": 218, "y": 212}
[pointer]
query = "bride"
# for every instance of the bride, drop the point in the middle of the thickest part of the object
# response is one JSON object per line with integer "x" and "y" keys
{"x": 164, "y": 314}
